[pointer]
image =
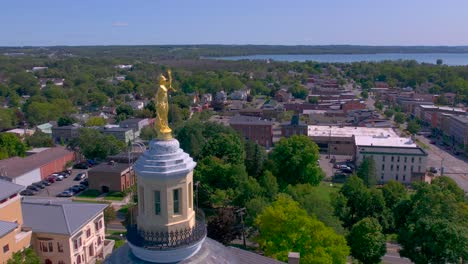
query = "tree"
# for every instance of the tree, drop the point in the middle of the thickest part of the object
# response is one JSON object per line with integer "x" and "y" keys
{"x": 65, "y": 121}
{"x": 7, "y": 119}
{"x": 367, "y": 242}
{"x": 299, "y": 91}
{"x": 379, "y": 105}
{"x": 148, "y": 133}
{"x": 109, "y": 214}
{"x": 365, "y": 94}
{"x": 27, "y": 256}
{"x": 399, "y": 118}
{"x": 367, "y": 172}
{"x": 124, "y": 109}
{"x": 40, "y": 139}
{"x": 413, "y": 127}
{"x": 96, "y": 121}
{"x": 255, "y": 157}
{"x": 284, "y": 227}
{"x": 95, "y": 145}
{"x": 294, "y": 160}
{"x": 222, "y": 226}
{"x": 393, "y": 193}
{"x": 313, "y": 100}
{"x": 432, "y": 224}
{"x": 227, "y": 147}
{"x": 269, "y": 184}
{"x": 389, "y": 113}
{"x": 11, "y": 146}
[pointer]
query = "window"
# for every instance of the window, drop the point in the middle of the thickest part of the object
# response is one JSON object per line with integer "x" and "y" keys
{"x": 99, "y": 240}
{"x": 391, "y": 167}
{"x": 393, "y": 159}
{"x": 419, "y": 168}
{"x": 78, "y": 259}
{"x": 59, "y": 247}
{"x": 404, "y": 167}
{"x": 381, "y": 176}
{"x": 404, "y": 177}
{"x": 190, "y": 190}
{"x": 383, "y": 158}
{"x": 61, "y": 262}
{"x": 383, "y": 166}
{"x": 44, "y": 246}
{"x": 88, "y": 232}
{"x": 157, "y": 202}
{"x": 398, "y": 159}
{"x": 6, "y": 248}
{"x": 412, "y": 159}
{"x": 412, "y": 168}
{"x": 176, "y": 200}
{"x": 419, "y": 159}
{"x": 77, "y": 243}
{"x": 396, "y": 177}
{"x": 397, "y": 167}
{"x": 406, "y": 158}
{"x": 51, "y": 247}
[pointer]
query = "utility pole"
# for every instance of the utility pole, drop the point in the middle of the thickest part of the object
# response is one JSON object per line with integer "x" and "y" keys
{"x": 241, "y": 212}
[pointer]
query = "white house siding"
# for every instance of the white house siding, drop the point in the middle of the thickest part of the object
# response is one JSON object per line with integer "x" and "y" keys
{"x": 28, "y": 178}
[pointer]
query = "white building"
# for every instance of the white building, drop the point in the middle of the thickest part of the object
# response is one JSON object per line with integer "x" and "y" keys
{"x": 395, "y": 158}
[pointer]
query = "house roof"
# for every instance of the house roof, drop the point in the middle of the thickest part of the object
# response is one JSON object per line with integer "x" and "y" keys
{"x": 248, "y": 120}
{"x": 58, "y": 216}
{"x": 8, "y": 188}
{"x": 247, "y": 257}
{"x": 6, "y": 227}
{"x": 16, "y": 166}
{"x": 108, "y": 167}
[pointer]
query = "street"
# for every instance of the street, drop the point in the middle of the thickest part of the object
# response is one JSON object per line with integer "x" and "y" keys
{"x": 456, "y": 167}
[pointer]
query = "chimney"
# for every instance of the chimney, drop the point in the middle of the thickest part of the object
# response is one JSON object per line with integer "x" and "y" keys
{"x": 293, "y": 258}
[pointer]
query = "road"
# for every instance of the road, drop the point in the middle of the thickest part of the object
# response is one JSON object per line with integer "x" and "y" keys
{"x": 456, "y": 167}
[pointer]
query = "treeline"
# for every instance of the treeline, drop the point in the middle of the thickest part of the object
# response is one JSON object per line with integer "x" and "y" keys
{"x": 153, "y": 52}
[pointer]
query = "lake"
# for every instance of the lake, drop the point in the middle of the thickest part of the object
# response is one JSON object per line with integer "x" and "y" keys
{"x": 447, "y": 58}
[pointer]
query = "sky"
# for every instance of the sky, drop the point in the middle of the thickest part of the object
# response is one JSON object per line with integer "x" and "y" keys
{"x": 274, "y": 22}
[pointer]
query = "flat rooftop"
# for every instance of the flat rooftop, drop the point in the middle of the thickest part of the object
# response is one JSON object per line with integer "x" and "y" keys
{"x": 348, "y": 131}
{"x": 383, "y": 141}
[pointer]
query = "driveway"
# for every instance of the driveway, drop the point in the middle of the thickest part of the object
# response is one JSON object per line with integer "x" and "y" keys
{"x": 456, "y": 167}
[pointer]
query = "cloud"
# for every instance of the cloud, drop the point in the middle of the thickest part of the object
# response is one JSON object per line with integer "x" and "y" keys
{"x": 120, "y": 24}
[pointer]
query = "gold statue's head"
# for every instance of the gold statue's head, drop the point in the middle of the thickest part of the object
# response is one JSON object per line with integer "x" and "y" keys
{"x": 162, "y": 79}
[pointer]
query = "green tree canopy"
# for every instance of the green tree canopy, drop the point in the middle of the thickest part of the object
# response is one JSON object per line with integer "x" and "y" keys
{"x": 95, "y": 145}
{"x": 284, "y": 227}
{"x": 389, "y": 113}
{"x": 11, "y": 146}
{"x": 367, "y": 241}
{"x": 399, "y": 118}
{"x": 40, "y": 139}
{"x": 27, "y": 256}
{"x": 299, "y": 91}
{"x": 294, "y": 160}
{"x": 96, "y": 121}
{"x": 228, "y": 147}
{"x": 367, "y": 172}
{"x": 255, "y": 158}
{"x": 413, "y": 127}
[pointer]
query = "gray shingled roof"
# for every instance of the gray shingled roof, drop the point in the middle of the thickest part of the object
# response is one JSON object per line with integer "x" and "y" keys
{"x": 58, "y": 216}
{"x": 8, "y": 188}
{"x": 7, "y": 227}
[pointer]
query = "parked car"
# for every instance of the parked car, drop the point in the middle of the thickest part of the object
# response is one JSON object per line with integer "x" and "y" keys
{"x": 39, "y": 185}
{"x": 347, "y": 170}
{"x": 67, "y": 171}
{"x": 82, "y": 166}
{"x": 64, "y": 174}
{"x": 32, "y": 187}
{"x": 80, "y": 176}
{"x": 59, "y": 178}
{"x": 51, "y": 179}
{"x": 27, "y": 192}
{"x": 83, "y": 187}
{"x": 46, "y": 182}
{"x": 65, "y": 194}
{"x": 84, "y": 182}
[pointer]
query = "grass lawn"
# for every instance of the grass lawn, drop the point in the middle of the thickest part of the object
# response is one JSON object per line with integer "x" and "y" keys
{"x": 90, "y": 201}
{"x": 422, "y": 145}
{"x": 89, "y": 194}
{"x": 115, "y": 196}
{"x": 324, "y": 189}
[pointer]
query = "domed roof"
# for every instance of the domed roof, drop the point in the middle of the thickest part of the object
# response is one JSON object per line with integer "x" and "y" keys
{"x": 164, "y": 159}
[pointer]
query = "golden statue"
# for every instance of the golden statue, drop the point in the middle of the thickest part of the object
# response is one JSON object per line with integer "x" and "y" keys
{"x": 162, "y": 107}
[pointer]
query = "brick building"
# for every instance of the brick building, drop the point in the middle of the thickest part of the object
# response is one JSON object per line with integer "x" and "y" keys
{"x": 111, "y": 177}
{"x": 36, "y": 167}
{"x": 253, "y": 128}
{"x": 353, "y": 105}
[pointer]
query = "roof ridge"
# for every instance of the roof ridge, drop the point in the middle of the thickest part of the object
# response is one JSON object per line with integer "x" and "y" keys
{"x": 66, "y": 219}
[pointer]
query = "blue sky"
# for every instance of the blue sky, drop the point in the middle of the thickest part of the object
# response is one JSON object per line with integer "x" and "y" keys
{"x": 290, "y": 22}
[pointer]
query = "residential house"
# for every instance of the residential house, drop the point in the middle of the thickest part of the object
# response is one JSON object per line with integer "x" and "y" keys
{"x": 36, "y": 167}
{"x": 136, "y": 104}
{"x": 55, "y": 81}
{"x": 66, "y": 232}
{"x": 13, "y": 235}
{"x": 111, "y": 176}
{"x": 253, "y": 128}
{"x": 137, "y": 124}
{"x": 240, "y": 95}
{"x": 124, "y": 134}
{"x": 283, "y": 96}
{"x": 45, "y": 128}
{"x": 63, "y": 134}
{"x": 21, "y": 132}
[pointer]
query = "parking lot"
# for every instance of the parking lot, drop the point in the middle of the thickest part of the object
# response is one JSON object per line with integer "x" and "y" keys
{"x": 59, "y": 186}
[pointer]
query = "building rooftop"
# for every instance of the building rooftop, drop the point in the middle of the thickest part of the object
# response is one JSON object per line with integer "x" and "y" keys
{"x": 131, "y": 121}
{"x": 58, "y": 216}
{"x": 385, "y": 141}
{"x": 347, "y": 131}
{"x": 109, "y": 167}
{"x": 8, "y": 189}
{"x": 7, "y": 227}
{"x": 16, "y": 166}
{"x": 248, "y": 120}
{"x": 461, "y": 119}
